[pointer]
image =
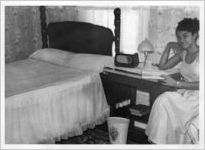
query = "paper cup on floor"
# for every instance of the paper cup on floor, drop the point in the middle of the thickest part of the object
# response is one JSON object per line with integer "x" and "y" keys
{"x": 118, "y": 129}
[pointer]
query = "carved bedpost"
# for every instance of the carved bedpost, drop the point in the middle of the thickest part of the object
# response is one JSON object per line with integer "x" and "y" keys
{"x": 117, "y": 13}
{"x": 43, "y": 26}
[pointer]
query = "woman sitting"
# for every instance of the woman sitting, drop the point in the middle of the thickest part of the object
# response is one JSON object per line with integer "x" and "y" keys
{"x": 172, "y": 111}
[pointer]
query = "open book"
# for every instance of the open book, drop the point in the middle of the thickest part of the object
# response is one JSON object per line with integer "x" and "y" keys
{"x": 155, "y": 73}
{"x": 146, "y": 73}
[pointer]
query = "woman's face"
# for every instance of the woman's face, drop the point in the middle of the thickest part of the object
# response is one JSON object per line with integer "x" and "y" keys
{"x": 186, "y": 39}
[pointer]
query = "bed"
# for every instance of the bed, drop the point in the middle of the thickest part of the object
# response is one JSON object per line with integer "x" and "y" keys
{"x": 56, "y": 92}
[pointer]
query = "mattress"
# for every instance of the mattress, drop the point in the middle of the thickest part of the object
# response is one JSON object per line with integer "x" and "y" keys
{"x": 46, "y": 102}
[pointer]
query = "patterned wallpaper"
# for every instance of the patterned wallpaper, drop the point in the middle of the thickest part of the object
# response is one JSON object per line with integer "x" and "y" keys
{"x": 163, "y": 22}
{"x": 23, "y": 36}
{"x": 58, "y": 13}
{"x": 22, "y": 32}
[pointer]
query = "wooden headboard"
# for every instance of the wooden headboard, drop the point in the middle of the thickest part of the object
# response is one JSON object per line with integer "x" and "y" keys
{"x": 80, "y": 37}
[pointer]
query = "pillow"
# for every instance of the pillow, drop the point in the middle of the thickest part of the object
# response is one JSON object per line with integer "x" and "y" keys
{"x": 52, "y": 55}
{"x": 92, "y": 62}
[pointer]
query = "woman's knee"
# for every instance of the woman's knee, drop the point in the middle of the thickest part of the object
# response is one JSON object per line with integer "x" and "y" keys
{"x": 163, "y": 98}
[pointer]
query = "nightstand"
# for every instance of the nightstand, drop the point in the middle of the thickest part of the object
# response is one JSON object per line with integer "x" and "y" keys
{"x": 120, "y": 86}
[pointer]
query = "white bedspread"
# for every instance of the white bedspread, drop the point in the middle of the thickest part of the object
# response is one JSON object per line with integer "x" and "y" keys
{"x": 45, "y": 102}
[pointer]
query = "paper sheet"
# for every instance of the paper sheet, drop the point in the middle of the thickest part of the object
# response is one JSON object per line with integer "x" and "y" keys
{"x": 152, "y": 72}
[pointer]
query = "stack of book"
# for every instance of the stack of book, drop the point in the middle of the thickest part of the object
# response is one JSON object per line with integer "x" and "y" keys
{"x": 140, "y": 113}
{"x": 139, "y": 110}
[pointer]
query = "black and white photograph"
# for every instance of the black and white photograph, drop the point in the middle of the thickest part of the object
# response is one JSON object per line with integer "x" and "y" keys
{"x": 102, "y": 74}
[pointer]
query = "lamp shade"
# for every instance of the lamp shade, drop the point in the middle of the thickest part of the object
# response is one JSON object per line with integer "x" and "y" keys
{"x": 145, "y": 46}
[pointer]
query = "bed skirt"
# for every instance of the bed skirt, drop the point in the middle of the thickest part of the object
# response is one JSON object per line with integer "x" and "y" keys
{"x": 55, "y": 112}
{"x": 77, "y": 131}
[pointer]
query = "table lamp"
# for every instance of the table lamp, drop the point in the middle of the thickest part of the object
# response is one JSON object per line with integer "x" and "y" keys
{"x": 145, "y": 47}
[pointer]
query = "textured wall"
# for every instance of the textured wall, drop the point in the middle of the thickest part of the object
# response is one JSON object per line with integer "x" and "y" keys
{"x": 22, "y": 32}
{"x": 163, "y": 22}
{"x": 56, "y": 14}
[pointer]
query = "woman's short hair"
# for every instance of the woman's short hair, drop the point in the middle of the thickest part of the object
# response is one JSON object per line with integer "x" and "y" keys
{"x": 188, "y": 24}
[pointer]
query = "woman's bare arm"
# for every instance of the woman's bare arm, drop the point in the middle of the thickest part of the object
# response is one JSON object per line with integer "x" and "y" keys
{"x": 188, "y": 85}
{"x": 180, "y": 84}
{"x": 165, "y": 62}
{"x": 173, "y": 61}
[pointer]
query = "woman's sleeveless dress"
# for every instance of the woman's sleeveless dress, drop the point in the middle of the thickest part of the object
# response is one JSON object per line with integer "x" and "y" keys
{"x": 173, "y": 110}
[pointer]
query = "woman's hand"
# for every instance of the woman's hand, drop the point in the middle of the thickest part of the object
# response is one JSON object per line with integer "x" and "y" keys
{"x": 175, "y": 46}
{"x": 169, "y": 81}
{"x": 165, "y": 61}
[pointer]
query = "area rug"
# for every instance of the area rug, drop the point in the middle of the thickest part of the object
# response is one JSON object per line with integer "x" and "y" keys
{"x": 91, "y": 136}
{"x": 100, "y": 135}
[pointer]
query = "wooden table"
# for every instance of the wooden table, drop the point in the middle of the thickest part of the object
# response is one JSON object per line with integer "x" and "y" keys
{"x": 121, "y": 85}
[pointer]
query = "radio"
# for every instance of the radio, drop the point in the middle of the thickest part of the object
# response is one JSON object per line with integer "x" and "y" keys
{"x": 127, "y": 60}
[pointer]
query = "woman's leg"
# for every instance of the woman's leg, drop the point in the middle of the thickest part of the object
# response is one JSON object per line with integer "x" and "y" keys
{"x": 163, "y": 120}
{"x": 168, "y": 117}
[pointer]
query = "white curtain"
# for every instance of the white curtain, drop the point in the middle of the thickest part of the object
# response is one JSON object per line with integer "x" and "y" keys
{"x": 134, "y": 24}
{"x": 134, "y": 28}
{"x": 98, "y": 15}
